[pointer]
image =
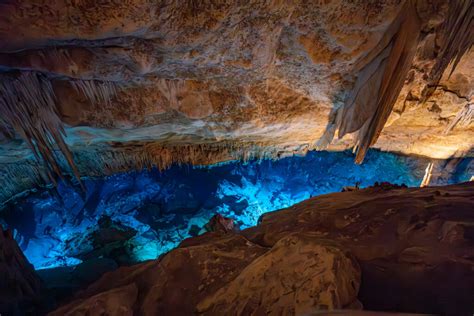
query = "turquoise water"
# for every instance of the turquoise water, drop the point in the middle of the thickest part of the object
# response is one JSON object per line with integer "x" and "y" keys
{"x": 144, "y": 214}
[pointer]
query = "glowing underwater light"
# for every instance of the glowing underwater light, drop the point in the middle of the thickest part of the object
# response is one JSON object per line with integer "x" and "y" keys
{"x": 152, "y": 212}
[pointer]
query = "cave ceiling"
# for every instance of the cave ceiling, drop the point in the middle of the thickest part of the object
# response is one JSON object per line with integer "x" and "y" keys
{"x": 121, "y": 85}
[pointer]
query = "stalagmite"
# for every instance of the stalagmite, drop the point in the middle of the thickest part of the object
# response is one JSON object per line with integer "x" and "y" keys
{"x": 27, "y": 104}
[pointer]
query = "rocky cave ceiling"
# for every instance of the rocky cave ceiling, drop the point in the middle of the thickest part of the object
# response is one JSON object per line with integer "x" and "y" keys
{"x": 106, "y": 86}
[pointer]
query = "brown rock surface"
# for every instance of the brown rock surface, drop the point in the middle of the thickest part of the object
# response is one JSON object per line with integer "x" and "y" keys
{"x": 414, "y": 247}
{"x": 20, "y": 287}
{"x": 298, "y": 275}
{"x": 140, "y": 83}
{"x": 174, "y": 284}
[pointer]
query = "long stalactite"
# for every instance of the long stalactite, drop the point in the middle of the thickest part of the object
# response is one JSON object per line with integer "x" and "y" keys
{"x": 382, "y": 73}
{"x": 457, "y": 38}
{"x": 27, "y": 104}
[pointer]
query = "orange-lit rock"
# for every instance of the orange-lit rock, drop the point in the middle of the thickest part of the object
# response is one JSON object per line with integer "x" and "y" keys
{"x": 255, "y": 74}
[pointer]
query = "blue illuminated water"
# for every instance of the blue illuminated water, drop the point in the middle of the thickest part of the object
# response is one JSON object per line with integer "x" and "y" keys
{"x": 151, "y": 212}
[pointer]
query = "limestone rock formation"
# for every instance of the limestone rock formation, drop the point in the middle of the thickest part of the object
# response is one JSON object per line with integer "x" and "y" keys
{"x": 297, "y": 276}
{"x": 20, "y": 287}
{"x": 177, "y": 282}
{"x": 414, "y": 247}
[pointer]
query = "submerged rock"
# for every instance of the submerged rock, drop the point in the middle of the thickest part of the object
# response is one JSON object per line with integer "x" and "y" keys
{"x": 219, "y": 223}
{"x": 108, "y": 240}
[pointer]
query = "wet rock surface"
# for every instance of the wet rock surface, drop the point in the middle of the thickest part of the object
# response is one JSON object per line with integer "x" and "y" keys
{"x": 414, "y": 247}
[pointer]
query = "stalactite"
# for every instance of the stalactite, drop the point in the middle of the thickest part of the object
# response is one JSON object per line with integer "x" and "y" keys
{"x": 456, "y": 40}
{"x": 17, "y": 177}
{"x": 381, "y": 77}
{"x": 161, "y": 156}
{"x": 103, "y": 160}
{"x": 96, "y": 91}
{"x": 382, "y": 73}
{"x": 27, "y": 104}
{"x": 464, "y": 117}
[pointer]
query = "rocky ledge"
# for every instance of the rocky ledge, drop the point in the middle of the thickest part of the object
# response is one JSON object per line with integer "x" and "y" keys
{"x": 385, "y": 248}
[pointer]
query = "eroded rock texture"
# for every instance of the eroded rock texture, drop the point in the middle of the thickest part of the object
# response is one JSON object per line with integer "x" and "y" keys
{"x": 298, "y": 275}
{"x": 20, "y": 287}
{"x": 143, "y": 83}
{"x": 408, "y": 250}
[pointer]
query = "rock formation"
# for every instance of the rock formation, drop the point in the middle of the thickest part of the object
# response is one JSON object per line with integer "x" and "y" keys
{"x": 391, "y": 248}
{"x": 146, "y": 83}
{"x": 95, "y": 88}
{"x": 20, "y": 287}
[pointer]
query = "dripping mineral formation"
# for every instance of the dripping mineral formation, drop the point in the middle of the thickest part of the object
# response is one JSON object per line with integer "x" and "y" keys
{"x": 125, "y": 126}
{"x": 92, "y": 89}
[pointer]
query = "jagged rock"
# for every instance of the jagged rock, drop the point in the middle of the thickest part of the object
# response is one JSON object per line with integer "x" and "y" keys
{"x": 219, "y": 223}
{"x": 20, "y": 286}
{"x": 413, "y": 245}
{"x": 174, "y": 284}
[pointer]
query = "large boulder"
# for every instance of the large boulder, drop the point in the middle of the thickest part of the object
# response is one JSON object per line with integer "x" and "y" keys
{"x": 223, "y": 274}
{"x": 299, "y": 275}
{"x": 414, "y": 245}
{"x": 175, "y": 284}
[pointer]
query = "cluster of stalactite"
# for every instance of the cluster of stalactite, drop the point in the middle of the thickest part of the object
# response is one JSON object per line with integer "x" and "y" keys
{"x": 457, "y": 38}
{"x": 161, "y": 156}
{"x": 118, "y": 157}
{"x": 27, "y": 104}
{"x": 26, "y": 175}
{"x": 382, "y": 72}
{"x": 96, "y": 91}
{"x": 464, "y": 117}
